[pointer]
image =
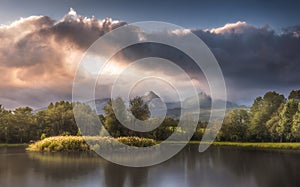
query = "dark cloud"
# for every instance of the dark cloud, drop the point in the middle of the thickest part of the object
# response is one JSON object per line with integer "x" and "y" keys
{"x": 253, "y": 59}
{"x": 256, "y": 57}
{"x": 82, "y": 31}
{"x": 144, "y": 50}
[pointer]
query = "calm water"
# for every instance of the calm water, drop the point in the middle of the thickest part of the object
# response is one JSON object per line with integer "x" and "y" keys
{"x": 216, "y": 167}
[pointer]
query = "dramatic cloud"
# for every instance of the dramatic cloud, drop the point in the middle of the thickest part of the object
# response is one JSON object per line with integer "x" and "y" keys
{"x": 39, "y": 56}
{"x": 253, "y": 59}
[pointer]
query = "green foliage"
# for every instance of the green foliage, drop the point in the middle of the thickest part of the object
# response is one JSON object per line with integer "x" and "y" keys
{"x": 4, "y": 125}
{"x": 136, "y": 141}
{"x": 65, "y": 134}
{"x": 23, "y": 126}
{"x": 234, "y": 126}
{"x": 285, "y": 122}
{"x": 60, "y": 143}
{"x": 139, "y": 109}
{"x": 296, "y": 125}
{"x": 295, "y": 94}
{"x": 259, "y": 145}
{"x": 115, "y": 111}
{"x": 78, "y": 133}
{"x": 271, "y": 118}
{"x": 198, "y": 134}
{"x": 57, "y": 119}
{"x": 272, "y": 125}
{"x": 78, "y": 143}
{"x": 111, "y": 123}
{"x": 260, "y": 112}
{"x": 43, "y": 136}
{"x": 87, "y": 120}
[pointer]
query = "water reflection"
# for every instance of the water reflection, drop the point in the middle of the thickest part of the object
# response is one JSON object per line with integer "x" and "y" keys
{"x": 62, "y": 166}
{"x": 116, "y": 175}
{"x": 215, "y": 167}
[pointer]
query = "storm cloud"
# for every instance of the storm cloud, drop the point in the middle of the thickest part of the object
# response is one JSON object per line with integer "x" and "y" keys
{"x": 39, "y": 56}
{"x": 253, "y": 59}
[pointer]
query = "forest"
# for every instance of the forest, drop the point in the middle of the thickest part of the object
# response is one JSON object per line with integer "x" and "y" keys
{"x": 271, "y": 118}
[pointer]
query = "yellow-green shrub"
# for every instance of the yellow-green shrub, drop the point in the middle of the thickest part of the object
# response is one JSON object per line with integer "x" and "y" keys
{"x": 78, "y": 143}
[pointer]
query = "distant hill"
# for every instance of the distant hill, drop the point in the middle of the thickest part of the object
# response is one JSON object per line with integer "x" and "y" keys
{"x": 173, "y": 109}
{"x": 100, "y": 103}
{"x": 205, "y": 101}
{"x": 157, "y": 107}
{"x": 149, "y": 96}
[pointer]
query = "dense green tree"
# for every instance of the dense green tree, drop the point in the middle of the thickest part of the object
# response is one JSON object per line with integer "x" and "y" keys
{"x": 166, "y": 129}
{"x": 139, "y": 108}
{"x": 272, "y": 126}
{"x": 295, "y": 94}
{"x": 87, "y": 120}
{"x": 260, "y": 112}
{"x": 24, "y": 124}
{"x": 235, "y": 126}
{"x": 296, "y": 124}
{"x": 283, "y": 126}
{"x": 140, "y": 111}
{"x": 285, "y": 122}
{"x": 57, "y": 119}
{"x": 4, "y": 114}
{"x": 114, "y": 108}
{"x": 43, "y": 120}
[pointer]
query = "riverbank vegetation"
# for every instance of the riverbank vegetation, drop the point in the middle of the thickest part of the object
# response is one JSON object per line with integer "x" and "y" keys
{"x": 13, "y": 145}
{"x": 249, "y": 145}
{"x": 271, "y": 118}
{"x": 261, "y": 145}
{"x": 78, "y": 143}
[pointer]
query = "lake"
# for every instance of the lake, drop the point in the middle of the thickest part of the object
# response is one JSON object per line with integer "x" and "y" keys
{"x": 218, "y": 166}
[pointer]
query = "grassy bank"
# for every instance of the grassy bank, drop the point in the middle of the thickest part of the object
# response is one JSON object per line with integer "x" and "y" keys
{"x": 261, "y": 145}
{"x": 249, "y": 145}
{"x": 12, "y": 145}
{"x": 78, "y": 143}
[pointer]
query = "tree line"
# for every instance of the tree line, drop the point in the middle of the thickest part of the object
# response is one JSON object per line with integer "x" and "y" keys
{"x": 271, "y": 118}
{"x": 22, "y": 125}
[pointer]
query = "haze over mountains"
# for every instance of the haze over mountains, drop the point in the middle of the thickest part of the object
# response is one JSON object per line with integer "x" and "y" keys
{"x": 158, "y": 108}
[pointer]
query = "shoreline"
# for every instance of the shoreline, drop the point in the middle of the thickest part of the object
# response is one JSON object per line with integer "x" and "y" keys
{"x": 295, "y": 146}
{"x": 14, "y": 145}
{"x": 252, "y": 145}
{"x": 245, "y": 145}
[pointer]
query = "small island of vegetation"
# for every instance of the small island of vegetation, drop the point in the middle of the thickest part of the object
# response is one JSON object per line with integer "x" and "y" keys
{"x": 78, "y": 143}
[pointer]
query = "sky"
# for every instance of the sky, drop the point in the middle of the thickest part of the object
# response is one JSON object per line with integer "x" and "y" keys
{"x": 190, "y": 14}
{"x": 256, "y": 43}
